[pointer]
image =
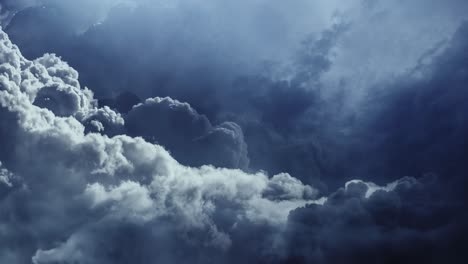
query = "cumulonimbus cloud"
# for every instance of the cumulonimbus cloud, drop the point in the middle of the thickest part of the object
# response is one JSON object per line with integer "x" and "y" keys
{"x": 88, "y": 181}
{"x": 75, "y": 195}
{"x": 193, "y": 50}
{"x": 81, "y": 183}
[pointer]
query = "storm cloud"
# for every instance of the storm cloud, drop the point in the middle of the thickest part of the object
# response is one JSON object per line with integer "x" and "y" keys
{"x": 292, "y": 76}
{"x": 188, "y": 135}
{"x": 247, "y": 132}
{"x": 108, "y": 184}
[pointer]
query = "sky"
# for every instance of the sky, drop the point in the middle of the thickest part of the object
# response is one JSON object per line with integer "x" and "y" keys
{"x": 249, "y": 131}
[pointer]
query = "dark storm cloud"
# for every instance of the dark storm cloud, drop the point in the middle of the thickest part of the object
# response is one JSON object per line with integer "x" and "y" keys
{"x": 416, "y": 126}
{"x": 187, "y": 39}
{"x": 351, "y": 104}
{"x": 282, "y": 118}
{"x": 67, "y": 195}
{"x": 121, "y": 199}
{"x": 414, "y": 222}
{"x": 187, "y": 56}
{"x": 189, "y": 136}
{"x": 417, "y": 123}
{"x": 287, "y": 106}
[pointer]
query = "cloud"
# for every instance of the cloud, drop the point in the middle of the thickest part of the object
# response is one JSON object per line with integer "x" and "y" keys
{"x": 81, "y": 182}
{"x": 189, "y": 136}
{"x": 293, "y": 101}
{"x": 406, "y": 224}
{"x": 8, "y": 181}
{"x": 218, "y": 48}
{"x": 8, "y": 8}
{"x": 79, "y": 16}
{"x": 291, "y": 116}
{"x": 80, "y": 186}
{"x": 76, "y": 196}
{"x": 415, "y": 123}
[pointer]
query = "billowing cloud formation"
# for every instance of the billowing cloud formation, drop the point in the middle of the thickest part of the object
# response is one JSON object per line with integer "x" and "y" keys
{"x": 295, "y": 113}
{"x": 357, "y": 224}
{"x": 364, "y": 98}
{"x": 99, "y": 188}
{"x": 74, "y": 197}
{"x": 189, "y": 136}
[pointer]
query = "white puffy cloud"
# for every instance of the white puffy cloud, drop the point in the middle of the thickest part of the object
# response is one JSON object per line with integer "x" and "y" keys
{"x": 78, "y": 184}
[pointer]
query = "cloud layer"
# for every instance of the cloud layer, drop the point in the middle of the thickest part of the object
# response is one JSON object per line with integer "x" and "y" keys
{"x": 188, "y": 135}
{"x": 294, "y": 77}
{"x": 176, "y": 152}
{"x": 94, "y": 185}
{"x": 71, "y": 196}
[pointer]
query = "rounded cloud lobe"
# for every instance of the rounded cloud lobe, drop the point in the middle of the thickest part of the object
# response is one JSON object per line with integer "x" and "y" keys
{"x": 189, "y": 136}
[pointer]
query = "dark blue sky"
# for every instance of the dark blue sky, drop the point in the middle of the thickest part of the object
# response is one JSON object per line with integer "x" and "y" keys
{"x": 190, "y": 131}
